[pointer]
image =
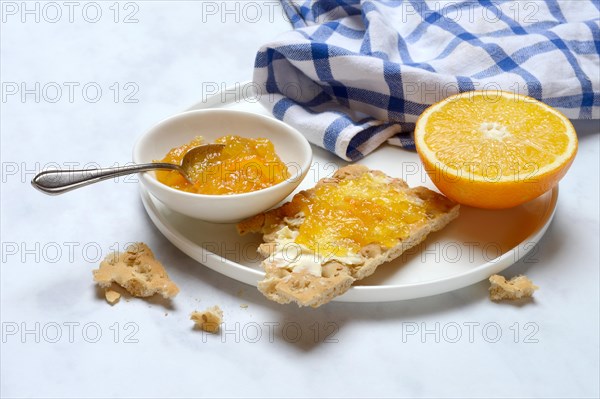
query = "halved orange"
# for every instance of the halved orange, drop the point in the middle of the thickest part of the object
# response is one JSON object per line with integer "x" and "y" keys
{"x": 494, "y": 149}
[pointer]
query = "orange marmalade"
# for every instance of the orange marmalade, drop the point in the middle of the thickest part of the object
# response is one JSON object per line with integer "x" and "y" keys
{"x": 342, "y": 218}
{"x": 244, "y": 165}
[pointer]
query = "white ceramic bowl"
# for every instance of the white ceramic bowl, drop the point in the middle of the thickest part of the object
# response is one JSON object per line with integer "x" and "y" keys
{"x": 291, "y": 146}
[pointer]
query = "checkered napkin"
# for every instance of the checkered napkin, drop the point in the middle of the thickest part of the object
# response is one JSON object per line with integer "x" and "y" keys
{"x": 354, "y": 74}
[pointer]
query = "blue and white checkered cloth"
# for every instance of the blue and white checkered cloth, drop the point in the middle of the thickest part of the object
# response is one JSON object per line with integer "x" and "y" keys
{"x": 357, "y": 73}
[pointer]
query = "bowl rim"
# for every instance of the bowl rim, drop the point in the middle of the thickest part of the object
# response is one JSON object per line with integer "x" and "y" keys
{"x": 294, "y": 180}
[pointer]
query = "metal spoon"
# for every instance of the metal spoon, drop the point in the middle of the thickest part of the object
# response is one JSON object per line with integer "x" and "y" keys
{"x": 59, "y": 181}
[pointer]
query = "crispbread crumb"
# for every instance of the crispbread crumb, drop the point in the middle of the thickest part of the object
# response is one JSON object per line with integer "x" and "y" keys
{"x": 244, "y": 306}
{"x": 209, "y": 320}
{"x": 516, "y": 288}
{"x": 137, "y": 271}
{"x": 112, "y": 296}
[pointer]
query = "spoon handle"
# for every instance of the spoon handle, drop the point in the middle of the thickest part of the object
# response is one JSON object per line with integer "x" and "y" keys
{"x": 60, "y": 181}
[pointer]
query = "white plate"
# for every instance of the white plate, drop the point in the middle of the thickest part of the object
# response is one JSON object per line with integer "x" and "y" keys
{"x": 474, "y": 246}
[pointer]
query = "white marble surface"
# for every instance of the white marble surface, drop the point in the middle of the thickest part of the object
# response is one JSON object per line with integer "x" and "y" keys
{"x": 51, "y": 244}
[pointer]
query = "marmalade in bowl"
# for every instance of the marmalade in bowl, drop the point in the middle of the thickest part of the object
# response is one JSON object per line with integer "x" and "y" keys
{"x": 244, "y": 165}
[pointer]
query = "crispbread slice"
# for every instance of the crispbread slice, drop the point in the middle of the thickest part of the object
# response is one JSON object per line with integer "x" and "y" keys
{"x": 283, "y": 285}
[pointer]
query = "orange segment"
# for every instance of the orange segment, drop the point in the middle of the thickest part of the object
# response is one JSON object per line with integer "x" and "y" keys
{"x": 494, "y": 149}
